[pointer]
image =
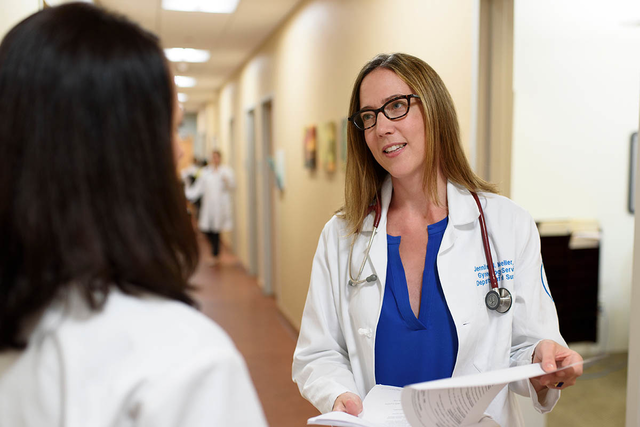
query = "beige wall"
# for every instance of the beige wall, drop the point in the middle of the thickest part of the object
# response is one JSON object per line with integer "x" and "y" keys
{"x": 307, "y": 68}
{"x": 14, "y": 11}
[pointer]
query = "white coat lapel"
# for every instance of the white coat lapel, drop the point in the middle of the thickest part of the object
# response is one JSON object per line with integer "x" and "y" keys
{"x": 460, "y": 214}
{"x": 453, "y": 256}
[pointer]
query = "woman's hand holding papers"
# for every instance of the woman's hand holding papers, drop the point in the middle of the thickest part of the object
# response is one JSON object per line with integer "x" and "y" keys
{"x": 349, "y": 403}
{"x": 552, "y": 356}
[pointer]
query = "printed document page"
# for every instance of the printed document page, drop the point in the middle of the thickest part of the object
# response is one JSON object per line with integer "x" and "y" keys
{"x": 460, "y": 401}
{"x": 451, "y": 402}
{"x": 381, "y": 408}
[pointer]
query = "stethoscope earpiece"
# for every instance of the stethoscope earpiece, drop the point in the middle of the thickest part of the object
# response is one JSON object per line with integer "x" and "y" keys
{"x": 369, "y": 279}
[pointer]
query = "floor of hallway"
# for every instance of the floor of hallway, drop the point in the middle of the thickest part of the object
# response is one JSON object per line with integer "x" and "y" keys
{"x": 232, "y": 298}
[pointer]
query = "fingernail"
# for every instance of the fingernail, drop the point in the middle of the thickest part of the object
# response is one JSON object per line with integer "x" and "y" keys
{"x": 560, "y": 384}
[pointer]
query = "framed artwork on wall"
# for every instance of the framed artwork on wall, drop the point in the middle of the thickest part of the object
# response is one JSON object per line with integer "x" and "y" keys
{"x": 328, "y": 146}
{"x": 310, "y": 147}
{"x": 343, "y": 144}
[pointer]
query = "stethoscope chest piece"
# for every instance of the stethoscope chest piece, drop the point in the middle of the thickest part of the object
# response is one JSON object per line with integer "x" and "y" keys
{"x": 499, "y": 300}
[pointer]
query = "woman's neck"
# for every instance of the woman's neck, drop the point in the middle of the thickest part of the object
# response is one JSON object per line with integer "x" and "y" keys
{"x": 410, "y": 198}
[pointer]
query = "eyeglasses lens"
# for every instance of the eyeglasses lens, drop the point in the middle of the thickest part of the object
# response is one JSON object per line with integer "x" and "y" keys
{"x": 394, "y": 109}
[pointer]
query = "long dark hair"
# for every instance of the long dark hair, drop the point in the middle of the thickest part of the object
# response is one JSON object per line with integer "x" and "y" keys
{"x": 89, "y": 197}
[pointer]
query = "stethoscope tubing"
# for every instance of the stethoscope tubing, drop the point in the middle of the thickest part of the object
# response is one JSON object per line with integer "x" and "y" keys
{"x": 357, "y": 280}
{"x": 485, "y": 244}
{"x": 498, "y": 299}
{"x": 376, "y": 207}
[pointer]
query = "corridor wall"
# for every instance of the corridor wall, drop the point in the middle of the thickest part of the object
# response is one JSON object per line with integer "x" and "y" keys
{"x": 575, "y": 107}
{"x": 307, "y": 69}
{"x": 15, "y": 11}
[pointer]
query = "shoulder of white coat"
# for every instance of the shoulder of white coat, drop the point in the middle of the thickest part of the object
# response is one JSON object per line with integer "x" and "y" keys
{"x": 149, "y": 324}
{"x": 178, "y": 322}
{"x": 336, "y": 226}
{"x": 504, "y": 208}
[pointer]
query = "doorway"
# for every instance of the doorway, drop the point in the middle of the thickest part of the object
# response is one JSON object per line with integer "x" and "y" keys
{"x": 232, "y": 162}
{"x": 267, "y": 188}
{"x": 252, "y": 205}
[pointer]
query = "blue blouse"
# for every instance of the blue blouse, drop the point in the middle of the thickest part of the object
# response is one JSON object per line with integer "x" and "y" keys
{"x": 409, "y": 349}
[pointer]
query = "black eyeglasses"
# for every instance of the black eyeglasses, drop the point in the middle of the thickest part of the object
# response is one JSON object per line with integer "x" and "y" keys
{"x": 394, "y": 109}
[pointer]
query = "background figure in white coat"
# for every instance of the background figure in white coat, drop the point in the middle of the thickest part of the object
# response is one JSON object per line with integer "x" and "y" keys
{"x": 214, "y": 187}
{"x": 97, "y": 327}
{"x": 189, "y": 176}
{"x": 411, "y": 308}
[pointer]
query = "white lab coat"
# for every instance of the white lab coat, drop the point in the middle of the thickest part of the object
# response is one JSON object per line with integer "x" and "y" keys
{"x": 335, "y": 350}
{"x": 215, "y": 208}
{"x": 141, "y": 361}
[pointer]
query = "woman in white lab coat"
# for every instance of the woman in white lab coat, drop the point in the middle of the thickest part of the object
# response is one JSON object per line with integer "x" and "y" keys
{"x": 214, "y": 187}
{"x": 417, "y": 310}
{"x": 96, "y": 325}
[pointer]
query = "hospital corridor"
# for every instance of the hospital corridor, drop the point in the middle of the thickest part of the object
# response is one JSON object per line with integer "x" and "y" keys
{"x": 381, "y": 193}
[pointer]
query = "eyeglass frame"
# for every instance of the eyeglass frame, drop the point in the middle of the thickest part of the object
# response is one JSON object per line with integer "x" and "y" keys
{"x": 381, "y": 110}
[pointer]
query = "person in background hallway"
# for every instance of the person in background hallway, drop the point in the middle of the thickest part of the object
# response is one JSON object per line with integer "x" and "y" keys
{"x": 191, "y": 173}
{"x": 214, "y": 187}
{"x": 412, "y": 309}
{"x": 96, "y": 324}
{"x": 189, "y": 176}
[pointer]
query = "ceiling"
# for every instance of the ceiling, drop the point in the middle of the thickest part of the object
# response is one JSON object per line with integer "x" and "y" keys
{"x": 231, "y": 38}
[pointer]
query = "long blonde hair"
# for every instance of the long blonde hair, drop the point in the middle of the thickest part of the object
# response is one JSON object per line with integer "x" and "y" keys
{"x": 364, "y": 176}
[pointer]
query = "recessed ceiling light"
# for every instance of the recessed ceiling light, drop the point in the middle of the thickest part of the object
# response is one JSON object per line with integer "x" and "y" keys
{"x": 182, "y": 97}
{"x": 184, "y": 81}
{"x": 178, "y": 54}
{"x": 53, "y": 3}
{"x": 207, "y": 6}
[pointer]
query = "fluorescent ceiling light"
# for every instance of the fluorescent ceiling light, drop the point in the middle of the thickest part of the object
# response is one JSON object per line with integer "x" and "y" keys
{"x": 54, "y": 3}
{"x": 178, "y": 54}
{"x": 184, "y": 81}
{"x": 182, "y": 97}
{"x": 208, "y": 6}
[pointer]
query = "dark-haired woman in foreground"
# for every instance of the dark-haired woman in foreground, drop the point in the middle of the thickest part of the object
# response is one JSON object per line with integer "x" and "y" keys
{"x": 96, "y": 326}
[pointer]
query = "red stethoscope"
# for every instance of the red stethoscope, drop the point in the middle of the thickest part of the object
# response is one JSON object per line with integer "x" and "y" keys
{"x": 498, "y": 299}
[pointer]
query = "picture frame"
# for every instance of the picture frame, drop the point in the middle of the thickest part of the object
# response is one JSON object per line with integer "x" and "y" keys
{"x": 310, "y": 147}
{"x": 343, "y": 143}
{"x": 327, "y": 143}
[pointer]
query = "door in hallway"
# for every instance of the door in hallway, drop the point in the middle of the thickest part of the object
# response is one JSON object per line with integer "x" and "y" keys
{"x": 252, "y": 199}
{"x": 268, "y": 190}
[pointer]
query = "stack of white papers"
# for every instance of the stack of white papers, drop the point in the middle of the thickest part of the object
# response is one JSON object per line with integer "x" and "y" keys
{"x": 451, "y": 402}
